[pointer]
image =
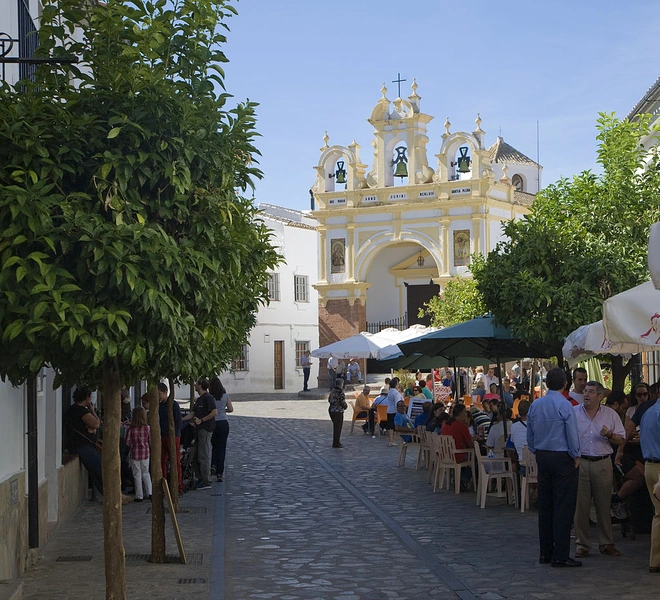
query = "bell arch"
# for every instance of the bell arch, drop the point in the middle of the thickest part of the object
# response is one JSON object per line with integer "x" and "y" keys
{"x": 327, "y": 169}
{"x": 448, "y": 157}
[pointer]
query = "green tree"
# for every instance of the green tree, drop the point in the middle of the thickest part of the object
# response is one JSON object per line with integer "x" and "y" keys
{"x": 125, "y": 239}
{"x": 584, "y": 240}
{"x": 459, "y": 301}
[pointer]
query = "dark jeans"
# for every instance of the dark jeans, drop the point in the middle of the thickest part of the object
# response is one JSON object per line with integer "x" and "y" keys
{"x": 332, "y": 377}
{"x": 557, "y": 485}
{"x": 306, "y": 371}
{"x": 91, "y": 459}
{"x": 219, "y": 442}
{"x": 372, "y": 418}
{"x": 337, "y": 423}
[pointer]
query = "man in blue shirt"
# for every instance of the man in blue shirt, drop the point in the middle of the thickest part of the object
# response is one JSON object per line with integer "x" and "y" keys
{"x": 402, "y": 422}
{"x": 552, "y": 436}
{"x": 649, "y": 438}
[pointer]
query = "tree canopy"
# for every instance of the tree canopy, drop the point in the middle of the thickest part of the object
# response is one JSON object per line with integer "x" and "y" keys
{"x": 128, "y": 247}
{"x": 584, "y": 240}
{"x": 459, "y": 301}
{"x": 124, "y": 235}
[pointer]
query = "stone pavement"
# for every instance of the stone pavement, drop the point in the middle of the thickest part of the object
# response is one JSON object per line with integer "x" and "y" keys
{"x": 297, "y": 519}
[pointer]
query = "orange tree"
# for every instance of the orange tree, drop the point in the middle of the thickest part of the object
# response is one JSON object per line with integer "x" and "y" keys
{"x": 584, "y": 240}
{"x": 127, "y": 247}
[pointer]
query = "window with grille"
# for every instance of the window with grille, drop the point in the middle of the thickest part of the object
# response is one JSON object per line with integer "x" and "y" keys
{"x": 301, "y": 284}
{"x": 273, "y": 286}
{"x": 241, "y": 363}
{"x": 301, "y": 348}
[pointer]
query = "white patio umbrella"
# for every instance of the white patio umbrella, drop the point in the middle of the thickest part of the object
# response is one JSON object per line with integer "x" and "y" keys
{"x": 395, "y": 336}
{"x": 588, "y": 340}
{"x": 362, "y": 345}
{"x": 654, "y": 254}
{"x": 633, "y": 317}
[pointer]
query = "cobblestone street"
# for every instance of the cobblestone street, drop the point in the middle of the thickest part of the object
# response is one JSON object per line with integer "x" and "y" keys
{"x": 297, "y": 519}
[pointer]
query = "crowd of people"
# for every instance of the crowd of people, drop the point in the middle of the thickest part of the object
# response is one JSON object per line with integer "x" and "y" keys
{"x": 207, "y": 423}
{"x": 591, "y": 445}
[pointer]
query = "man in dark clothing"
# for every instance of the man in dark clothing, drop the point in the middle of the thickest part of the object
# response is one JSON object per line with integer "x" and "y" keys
{"x": 165, "y": 433}
{"x": 203, "y": 417}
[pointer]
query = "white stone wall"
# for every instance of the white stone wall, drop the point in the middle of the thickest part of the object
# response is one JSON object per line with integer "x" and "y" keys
{"x": 284, "y": 320}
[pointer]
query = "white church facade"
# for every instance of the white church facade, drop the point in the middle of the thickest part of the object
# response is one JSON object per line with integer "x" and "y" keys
{"x": 391, "y": 238}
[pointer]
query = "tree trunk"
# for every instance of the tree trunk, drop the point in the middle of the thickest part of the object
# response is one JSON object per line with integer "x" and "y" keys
{"x": 174, "y": 455}
{"x": 620, "y": 371}
{"x": 157, "y": 509}
{"x": 113, "y": 543}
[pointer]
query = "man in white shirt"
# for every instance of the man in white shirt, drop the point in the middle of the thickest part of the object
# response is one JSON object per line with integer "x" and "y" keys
{"x": 579, "y": 381}
{"x": 490, "y": 378}
{"x": 393, "y": 397}
{"x": 598, "y": 428}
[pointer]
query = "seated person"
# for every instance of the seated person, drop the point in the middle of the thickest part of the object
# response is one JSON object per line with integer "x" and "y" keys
{"x": 480, "y": 419}
{"x": 506, "y": 392}
{"x": 457, "y": 427}
{"x": 479, "y": 392}
{"x": 362, "y": 406}
{"x": 492, "y": 394}
{"x": 497, "y": 428}
{"x": 417, "y": 392}
{"x": 423, "y": 418}
{"x": 519, "y": 432}
{"x": 402, "y": 422}
{"x": 425, "y": 390}
{"x": 380, "y": 399}
{"x": 631, "y": 469}
{"x": 437, "y": 417}
{"x": 353, "y": 371}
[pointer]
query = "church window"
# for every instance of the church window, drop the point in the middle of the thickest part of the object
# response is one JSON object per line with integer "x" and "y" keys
{"x": 273, "y": 284}
{"x": 301, "y": 348}
{"x": 517, "y": 182}
{"x": 301, "y": 288}
{"x": 241, "y": 363}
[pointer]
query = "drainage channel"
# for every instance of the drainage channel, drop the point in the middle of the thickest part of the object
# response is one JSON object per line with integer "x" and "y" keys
{"x": 444, "y": 574}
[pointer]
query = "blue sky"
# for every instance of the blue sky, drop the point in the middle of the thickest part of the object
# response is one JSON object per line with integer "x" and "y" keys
{"x": 315, "y": 66}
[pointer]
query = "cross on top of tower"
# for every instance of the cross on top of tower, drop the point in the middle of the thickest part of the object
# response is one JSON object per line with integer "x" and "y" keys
{"x": 399, "y": 81}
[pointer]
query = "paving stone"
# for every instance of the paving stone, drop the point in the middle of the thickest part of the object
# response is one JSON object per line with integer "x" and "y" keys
{"x": 304, "y": 521}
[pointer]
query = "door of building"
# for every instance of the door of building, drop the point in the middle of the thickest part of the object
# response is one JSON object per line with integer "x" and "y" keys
{"x": 278, "y": 363}
{"x": 418, "y": 295}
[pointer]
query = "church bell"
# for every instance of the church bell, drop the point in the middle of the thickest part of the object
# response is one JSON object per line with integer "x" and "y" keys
{"x": 340, "y": 173}
{"x": 400, "y": 168}
{"x": 463, "y": 160}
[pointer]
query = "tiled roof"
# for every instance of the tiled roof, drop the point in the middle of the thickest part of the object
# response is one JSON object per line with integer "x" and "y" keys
{"x": 645, "y": 104}
{"x": 523, "y": 198}
{"x": 501, "y": 152}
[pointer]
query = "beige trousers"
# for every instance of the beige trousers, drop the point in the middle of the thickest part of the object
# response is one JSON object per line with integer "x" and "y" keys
{"x": 595, "y": 482}
{"x": 651, "y": 471}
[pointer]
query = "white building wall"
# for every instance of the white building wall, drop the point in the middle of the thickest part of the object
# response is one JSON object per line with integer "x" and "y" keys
{"x": 13, "y": 425}
{"x": 284, "y": 320}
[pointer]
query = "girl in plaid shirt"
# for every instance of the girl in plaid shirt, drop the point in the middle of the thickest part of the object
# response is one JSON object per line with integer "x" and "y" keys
{"x": 138, "y": 438}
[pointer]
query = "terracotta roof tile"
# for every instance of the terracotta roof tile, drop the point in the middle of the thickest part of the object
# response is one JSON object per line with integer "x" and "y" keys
{"x": 501, "y": 152}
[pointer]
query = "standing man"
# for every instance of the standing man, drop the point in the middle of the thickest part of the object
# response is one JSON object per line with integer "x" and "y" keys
{"x": 203, "y": 417}
{"x": 649, "y": 437}
{"x": 163, "y": 419}
{"x": 598, "y": 428}
{"x": 393, "y": 398}
{"x": 579, "y": 381}
{"x": 332, "y": 371}
{"x": 491, "y": 378}
{"x": 553, "y": 437}
{"x": 306, "y": 364}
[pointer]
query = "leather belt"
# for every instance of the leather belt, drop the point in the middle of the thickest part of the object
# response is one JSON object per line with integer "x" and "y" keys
{"x": 594, "y": 458}
{"x": 652, "y": 460}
